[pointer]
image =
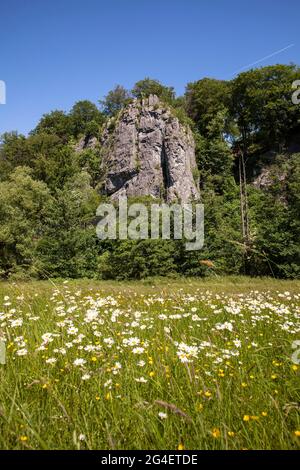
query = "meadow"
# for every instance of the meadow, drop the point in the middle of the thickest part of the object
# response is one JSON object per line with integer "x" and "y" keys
{"x": 161, "y": 364}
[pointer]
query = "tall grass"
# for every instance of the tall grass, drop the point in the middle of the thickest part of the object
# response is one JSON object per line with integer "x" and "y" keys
{"x": 214, "y": 358}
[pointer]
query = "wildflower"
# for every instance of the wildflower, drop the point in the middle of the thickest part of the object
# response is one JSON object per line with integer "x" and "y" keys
{"x": 141, "y": 380}
{"x": 86, "y": 377}
{"x": 297, "y": 433}
{"x": 133, "y": 341}
{"x": 246, "y": 418}
{"x": 152, "y": 374}
{"x": 162, "y": 415}
{"x": 81, "y": 437}
{"x": 244, "y": 385}
{"x": 216, "y": 433}
{"x": 274, "y": 376}
{"x": 180, "y": 447}
{"x": 264, "y": 413}
{"x": 18, "y": 322}
{"x": 224, "y": 326}
{"x": 237, "y": 343}
{"x": 79, "y": 362}
{"x": 231, "y": 433}
{"x": 208, "y": 394}
{"x": 22, "y": 352}
{"x": 138, "y": 350}
{"x": 72, "y": 330}
{"x": 294, "y": 367}
{"x": 51, "y": 360}
{"x": 23, "y": 438}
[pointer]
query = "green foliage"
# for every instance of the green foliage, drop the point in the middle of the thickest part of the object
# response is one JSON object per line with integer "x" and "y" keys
{"x": 56, "y": 123}
{"x": 24, "y": 204}
{"x": 213, "y": 153}
{"x": 85, "y": 119}
{"x": 49, "y": 191}
{"x": 89, "y": 160}
{"x": 276, "y": 223}
{"x": 204, "y": 99}
{"x": 262, "y": 105}
{"x": 148, "y": 86}
{"x": 142, "y": 259}
{"x": 68, "y": 246}
{"x": 115, "y": 100}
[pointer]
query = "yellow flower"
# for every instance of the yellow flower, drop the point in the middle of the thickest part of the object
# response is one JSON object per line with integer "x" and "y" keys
{"x": 97, "y": 398}
{"x": 94, "y": 359}
{"x": 152, "y": 374}
{"x": 216, "y": 433}
{"x": 244, "y": 385}
{"x": 264, "y": 413}
{"x": 246, "y": 418}
{"x": 200, "y": 407}
{"x": 108, "y": 396}
{"x": 274, "y": 376}
{"x": 23, "y": 438}
{"x": 207, "y": 393}
{"x": 294, "y": 367}
{"x": 255, "y": 418}
{"x": 45, "y": 386}
{"x": 231, "y": 433}
{"x": 180, "y": 447}
{"x": 297, "y": 433}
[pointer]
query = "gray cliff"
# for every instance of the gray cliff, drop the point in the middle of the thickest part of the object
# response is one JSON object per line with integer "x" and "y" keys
{"x": 147, "y": 151}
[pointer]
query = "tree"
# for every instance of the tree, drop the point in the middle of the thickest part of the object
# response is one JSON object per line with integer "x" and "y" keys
{"x": 115, "y": 100}
{"x": 68, "y": 246}
{"x": 262, "y": 107}
{"x": 85, "y": 118}
{"x": 148, "y": 86}
{"x": 23, "y": 208}
{"x": 56, "y": 123}
{"x": 52, "y": 161}
{"x": 204, "y": 99}
{"x": 14, "y": 151}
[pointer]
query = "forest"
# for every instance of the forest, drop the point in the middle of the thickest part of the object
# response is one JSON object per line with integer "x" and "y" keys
{"x": 247, "y": 136}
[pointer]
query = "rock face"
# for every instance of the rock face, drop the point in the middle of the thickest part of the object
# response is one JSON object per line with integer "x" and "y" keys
{"x": 148, "y": 152}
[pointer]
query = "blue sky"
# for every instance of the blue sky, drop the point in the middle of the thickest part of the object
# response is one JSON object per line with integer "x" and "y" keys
{"x": 56, "y": 52}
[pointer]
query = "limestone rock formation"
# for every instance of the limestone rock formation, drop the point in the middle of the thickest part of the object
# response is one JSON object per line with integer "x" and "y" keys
{"x": 147, "y": 151}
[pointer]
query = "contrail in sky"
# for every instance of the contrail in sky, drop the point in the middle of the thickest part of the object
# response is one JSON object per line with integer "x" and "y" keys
{"x": 264, "y": 58}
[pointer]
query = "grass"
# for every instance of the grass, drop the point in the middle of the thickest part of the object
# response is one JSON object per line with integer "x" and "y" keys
{"x": 160, "y": 364}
